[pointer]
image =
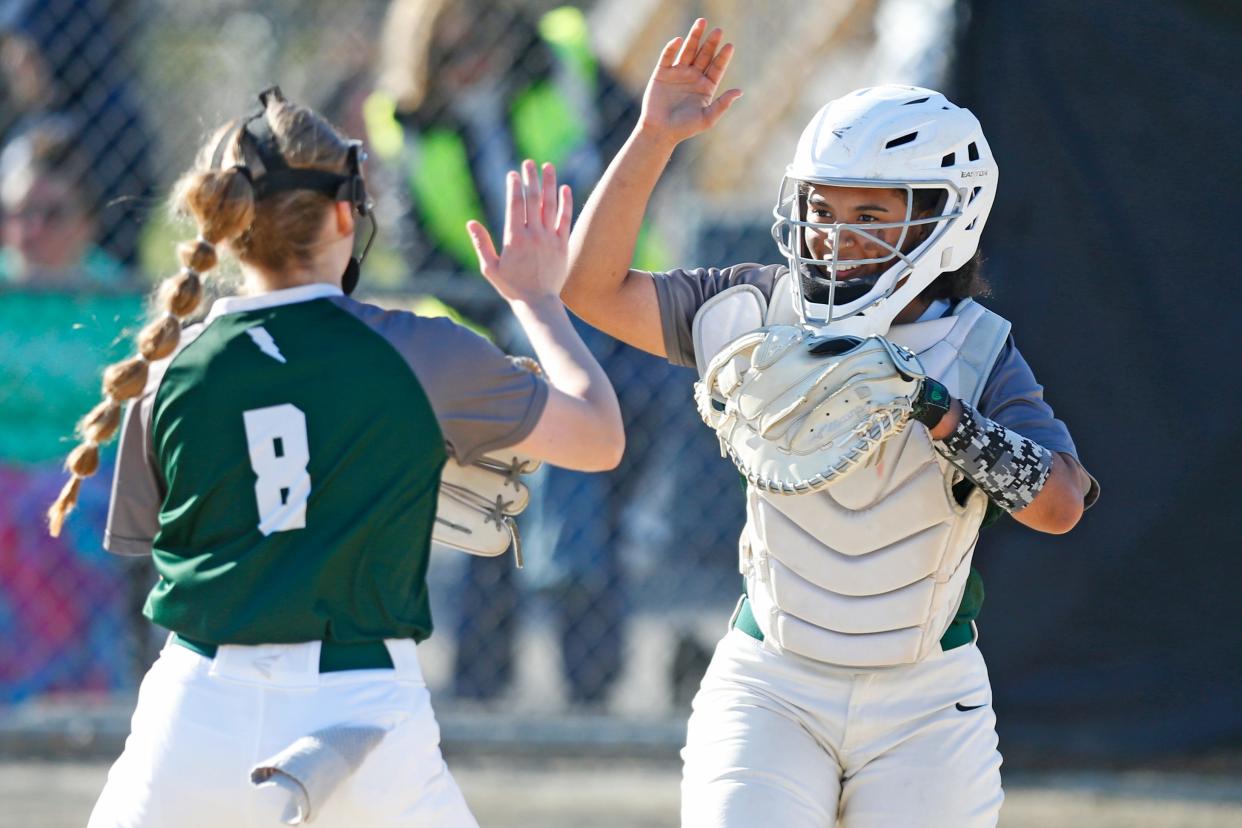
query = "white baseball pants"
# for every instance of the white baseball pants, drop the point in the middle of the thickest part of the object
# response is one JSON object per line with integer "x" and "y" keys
{"x": 201, "y": 724}
{"x": 777, "y": 739}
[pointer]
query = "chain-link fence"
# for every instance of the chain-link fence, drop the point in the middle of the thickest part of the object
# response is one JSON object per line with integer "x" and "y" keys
{"x": 630, "y": 575}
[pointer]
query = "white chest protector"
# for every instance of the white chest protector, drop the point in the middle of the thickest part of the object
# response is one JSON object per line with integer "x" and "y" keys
{"x": 869, "y": 571}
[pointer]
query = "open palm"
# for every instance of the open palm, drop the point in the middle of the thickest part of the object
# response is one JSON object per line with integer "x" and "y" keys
{"x": 532, "y": 264}
{"x": 680, "y": 99}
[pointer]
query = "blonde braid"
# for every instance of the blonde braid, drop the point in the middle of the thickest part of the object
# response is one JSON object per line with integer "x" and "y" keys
{"x": 222, "y": 203}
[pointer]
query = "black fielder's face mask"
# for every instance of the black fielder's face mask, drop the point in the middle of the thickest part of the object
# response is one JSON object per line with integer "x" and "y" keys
{"x": 817, "y": 287}
{"x": 260, "y": 161}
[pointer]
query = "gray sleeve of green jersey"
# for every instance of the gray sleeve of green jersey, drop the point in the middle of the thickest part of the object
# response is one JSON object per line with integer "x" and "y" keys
{"x": 138, "y": 484}
{"x": 137, "y": 489}
{"x": 1015, "y": 399}
{"x": 482, "y": 400}
{"x": 681, "y": 293}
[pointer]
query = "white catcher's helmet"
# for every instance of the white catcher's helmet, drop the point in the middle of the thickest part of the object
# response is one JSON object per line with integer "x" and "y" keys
{"x": 898, "y": 137}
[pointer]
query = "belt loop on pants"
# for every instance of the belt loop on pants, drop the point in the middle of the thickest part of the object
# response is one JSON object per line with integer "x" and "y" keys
{"x": 403, "y": 653}
{"x": 295, "y": 664}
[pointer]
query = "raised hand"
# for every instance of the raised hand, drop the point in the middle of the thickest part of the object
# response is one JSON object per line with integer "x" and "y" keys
{"x": 679, "y": 101}
{"x": 536, "y": 238}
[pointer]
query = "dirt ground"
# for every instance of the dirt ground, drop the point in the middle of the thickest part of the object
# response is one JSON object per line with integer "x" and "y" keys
{"x": 516, "y": 793}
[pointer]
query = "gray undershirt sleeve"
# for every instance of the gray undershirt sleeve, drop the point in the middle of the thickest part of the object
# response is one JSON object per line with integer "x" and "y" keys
{"x": 137, "y": 489}
{"x": 1015, "y": 399}
{"x": 681, "y": 293}
{"x": 138, "y": 486}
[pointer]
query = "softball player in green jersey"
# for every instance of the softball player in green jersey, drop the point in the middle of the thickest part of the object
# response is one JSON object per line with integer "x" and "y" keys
{"x": 849, "y": 690}
{"x": 281, "y": 462}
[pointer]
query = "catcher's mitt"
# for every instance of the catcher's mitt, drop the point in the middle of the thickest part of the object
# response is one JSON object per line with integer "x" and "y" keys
{"x": 478, "y": 502}
{"x": 796, "y": 411}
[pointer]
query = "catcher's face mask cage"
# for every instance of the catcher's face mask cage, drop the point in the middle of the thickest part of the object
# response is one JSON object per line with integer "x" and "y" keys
{"x": 848, "y": 296}
{"x": 890, "y": 137}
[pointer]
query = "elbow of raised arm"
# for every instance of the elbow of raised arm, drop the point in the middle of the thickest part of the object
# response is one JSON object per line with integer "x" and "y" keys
{"x": 612, "y": 458}
{"x": 571, "y": 292}
{"x": 586, "y": 303}
{"x": 600, "y": 444}
{"x": 1072, "y": 486}
{"x": 583, "y": 288}
{"x": 1059, "y": 505}
{"x": 1054, "y": 515}
{"x": 602, "y": 458}
{"x": 1063, "y": 519}
{"x": 612, "y": 447}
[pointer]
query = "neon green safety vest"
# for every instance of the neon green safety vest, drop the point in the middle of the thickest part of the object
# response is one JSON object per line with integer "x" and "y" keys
{"x": 545, "y": 126}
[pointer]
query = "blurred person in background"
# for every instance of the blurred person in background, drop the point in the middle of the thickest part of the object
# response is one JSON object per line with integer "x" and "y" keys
{"x": 49, "y": 212}
{"x": 466, "y": 88}
{"x": 64, "y": 305}
{"x": 64, "y": 60}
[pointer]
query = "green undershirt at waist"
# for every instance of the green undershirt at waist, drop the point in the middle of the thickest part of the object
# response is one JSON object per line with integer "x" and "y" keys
{"x": 334, "y": 656}
{"x": 959, "y": 631}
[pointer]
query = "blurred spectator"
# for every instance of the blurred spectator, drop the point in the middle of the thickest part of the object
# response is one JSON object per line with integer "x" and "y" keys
{"x": 465, "y": 93}
{"x": 63, "y": 59}
{"x": 49, "y": 211}
{"x": 65, "y": 605}
{"x": 466, "y": 90}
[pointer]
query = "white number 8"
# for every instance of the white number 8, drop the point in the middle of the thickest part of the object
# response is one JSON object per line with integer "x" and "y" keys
{"x": 279, "y": 454}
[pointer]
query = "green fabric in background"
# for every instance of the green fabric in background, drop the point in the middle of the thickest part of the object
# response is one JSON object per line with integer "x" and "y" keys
{"x": 53, "y": 349}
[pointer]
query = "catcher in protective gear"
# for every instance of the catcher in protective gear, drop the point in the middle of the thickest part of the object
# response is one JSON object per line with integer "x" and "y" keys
{"x": 800, "y": 410}
{"x": 850, "y": 670}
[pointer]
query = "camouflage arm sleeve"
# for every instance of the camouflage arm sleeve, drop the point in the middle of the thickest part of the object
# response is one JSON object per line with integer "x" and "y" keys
{"x": 1009, "y": 468}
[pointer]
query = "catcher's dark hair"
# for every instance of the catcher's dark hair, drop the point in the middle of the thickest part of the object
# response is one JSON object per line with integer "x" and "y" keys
{"x": 276, "y": 235}
{"x": 968, "y": 279}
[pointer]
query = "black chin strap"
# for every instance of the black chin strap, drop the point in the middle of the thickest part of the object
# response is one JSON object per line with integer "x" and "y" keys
{"x": 262, "y": 162}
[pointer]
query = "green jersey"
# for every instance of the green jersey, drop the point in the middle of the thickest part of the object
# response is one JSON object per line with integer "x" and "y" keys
{"x": 283, "y": 467}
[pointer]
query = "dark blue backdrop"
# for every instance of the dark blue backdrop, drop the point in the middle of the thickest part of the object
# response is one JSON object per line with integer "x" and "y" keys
{"x": 1115, "y": 248}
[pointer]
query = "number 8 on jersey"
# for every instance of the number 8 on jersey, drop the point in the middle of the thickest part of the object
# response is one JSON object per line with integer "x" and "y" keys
{"x": 279, "y": 455}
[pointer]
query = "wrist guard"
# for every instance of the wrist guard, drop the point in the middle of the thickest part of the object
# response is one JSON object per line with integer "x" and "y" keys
{"x": 931, "y": 403}
{"x": 1009, "y": 468}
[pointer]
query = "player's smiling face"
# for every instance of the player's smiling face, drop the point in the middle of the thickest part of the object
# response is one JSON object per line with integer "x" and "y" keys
{"x": 855, "y": 205}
